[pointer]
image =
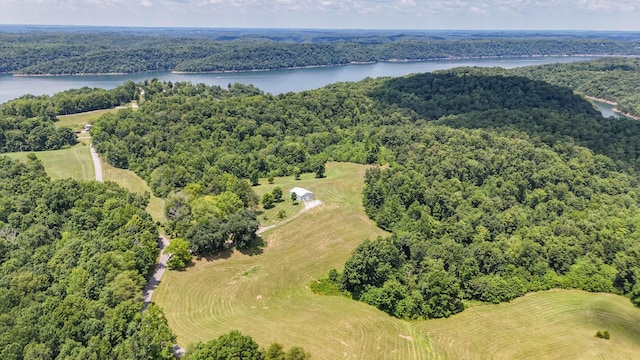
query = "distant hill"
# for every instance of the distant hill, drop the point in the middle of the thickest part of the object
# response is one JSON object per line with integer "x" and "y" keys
{"x": 57, "y": 50}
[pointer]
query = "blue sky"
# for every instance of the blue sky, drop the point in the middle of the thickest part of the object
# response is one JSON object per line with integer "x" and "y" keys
{"x": 360, "y": 14}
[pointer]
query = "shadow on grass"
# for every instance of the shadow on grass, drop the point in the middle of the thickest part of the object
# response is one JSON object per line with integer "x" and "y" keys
{"x": 255, "y": 248}
{"x": 224, "y": 254}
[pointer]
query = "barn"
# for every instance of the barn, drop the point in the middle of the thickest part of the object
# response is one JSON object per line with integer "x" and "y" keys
{"x": 301, "y": 194}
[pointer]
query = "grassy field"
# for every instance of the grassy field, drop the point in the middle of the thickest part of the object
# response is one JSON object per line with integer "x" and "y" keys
{"x": 129, "y": 180}
{"x": 556, "y": 324}
{"x": 266, "y": 295}
{"x": 270, "y": 217}
{"x": 78, "y": 121}
{"x": 74, "y": 162}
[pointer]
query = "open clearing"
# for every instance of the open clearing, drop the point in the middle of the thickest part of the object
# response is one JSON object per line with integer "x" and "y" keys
{"x": 270, "y": 217}
{"x": 134, "y": 183}
{"x": 74, "y": 162}
{"x": 265, "y": 294}
{"x": 555, "y": 324}
{"x": 78, "y": 121}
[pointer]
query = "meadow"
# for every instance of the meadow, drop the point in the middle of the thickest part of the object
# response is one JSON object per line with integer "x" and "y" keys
{"x": 78, "y": 121}
{"x": 265, "y": 293}
{"x": 74, "y": 162}
{"x": 134, "y": 183}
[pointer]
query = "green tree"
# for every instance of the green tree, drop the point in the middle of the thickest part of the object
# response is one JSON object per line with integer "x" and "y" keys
{"x": 275, "y": 352}
{"x": 277, "y": 194}
{"x": 254, "y": 178}
{"x": 297, "y": 353}
{"x": 267, "y": 200}
{"x": 231, "y": 346}
{"x": 180, "y": 255}
{"x": 294, "y": 198}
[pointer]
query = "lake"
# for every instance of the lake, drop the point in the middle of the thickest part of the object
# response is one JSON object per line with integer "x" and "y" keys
{"x": 607, "y": 110}
{"x": 273, "y": 81}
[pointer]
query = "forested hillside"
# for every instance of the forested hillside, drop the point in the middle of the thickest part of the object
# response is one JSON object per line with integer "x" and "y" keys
{"x": 74, "y": 257}
{"x": 540, "y": 199}
{"x": 112, "y": 52}
{"x": 543, "y": 194}
{"x": 614, "y": 79}
{"x": 481, "y": 216}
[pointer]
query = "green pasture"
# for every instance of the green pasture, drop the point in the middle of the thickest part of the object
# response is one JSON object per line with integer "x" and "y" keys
{"x": 265, "y": 293}
{"x": 269, "y": 217}
{"x": 555, "y": 324}
{"x": 131, "y": 181}
{"x": 74, "y": 162}
{"x": 78, "y": 121}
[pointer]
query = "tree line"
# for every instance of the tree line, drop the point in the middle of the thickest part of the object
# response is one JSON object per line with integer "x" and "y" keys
{"x": 613, "y": 79}
{"x": 70, "y": 101}
{"x": 476, "y": 215}
{"x": 110, "y": 52}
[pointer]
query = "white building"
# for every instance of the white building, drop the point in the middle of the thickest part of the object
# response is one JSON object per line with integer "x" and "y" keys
{"x": 301, "y": 194}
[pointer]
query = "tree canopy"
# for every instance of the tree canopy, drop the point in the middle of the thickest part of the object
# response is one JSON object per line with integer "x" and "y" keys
{"x": 74, "y": 257}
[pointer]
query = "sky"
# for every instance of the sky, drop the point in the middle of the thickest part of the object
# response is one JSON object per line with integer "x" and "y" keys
{"x": 333, "y": 14}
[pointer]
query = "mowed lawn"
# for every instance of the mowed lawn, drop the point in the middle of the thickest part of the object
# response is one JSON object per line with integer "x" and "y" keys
{"x": 267, "y": 296}
{"x": 555, "y": 324}
{"x": 74, "y": 162}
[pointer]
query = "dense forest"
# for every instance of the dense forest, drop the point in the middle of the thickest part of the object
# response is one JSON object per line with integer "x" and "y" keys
{"x": 480, "y": 216}
{"x": 74, "y": 257}
{"x": 18, "y": 133}
{"x": 614, "y": 79}
{"x": 545, "y": 196}
{"x": 67, "y": 52}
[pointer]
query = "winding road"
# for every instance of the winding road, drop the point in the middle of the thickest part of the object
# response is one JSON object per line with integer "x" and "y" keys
{"x": 161, "y": 267}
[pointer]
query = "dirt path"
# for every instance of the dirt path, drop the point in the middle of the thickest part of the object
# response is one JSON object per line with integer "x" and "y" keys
{"x": 161, "y": 267}
{"x": 308, "y": 205}
{"x": 97, "y": 166}
{"x": 154, "y": 281}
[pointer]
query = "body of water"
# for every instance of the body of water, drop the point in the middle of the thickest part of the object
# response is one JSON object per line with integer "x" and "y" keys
{"x": 273, "y": 81}
{"x": 607, "y": 110}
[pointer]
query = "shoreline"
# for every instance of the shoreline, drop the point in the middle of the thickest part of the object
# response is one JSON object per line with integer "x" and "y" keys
{"x": 391, "y": 60}
{"x": 613, "y": 103}
{"x": 78, "y": 74}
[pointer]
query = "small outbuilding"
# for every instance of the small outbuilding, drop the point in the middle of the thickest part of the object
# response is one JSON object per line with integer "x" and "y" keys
{"x": 301, "y": 194}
